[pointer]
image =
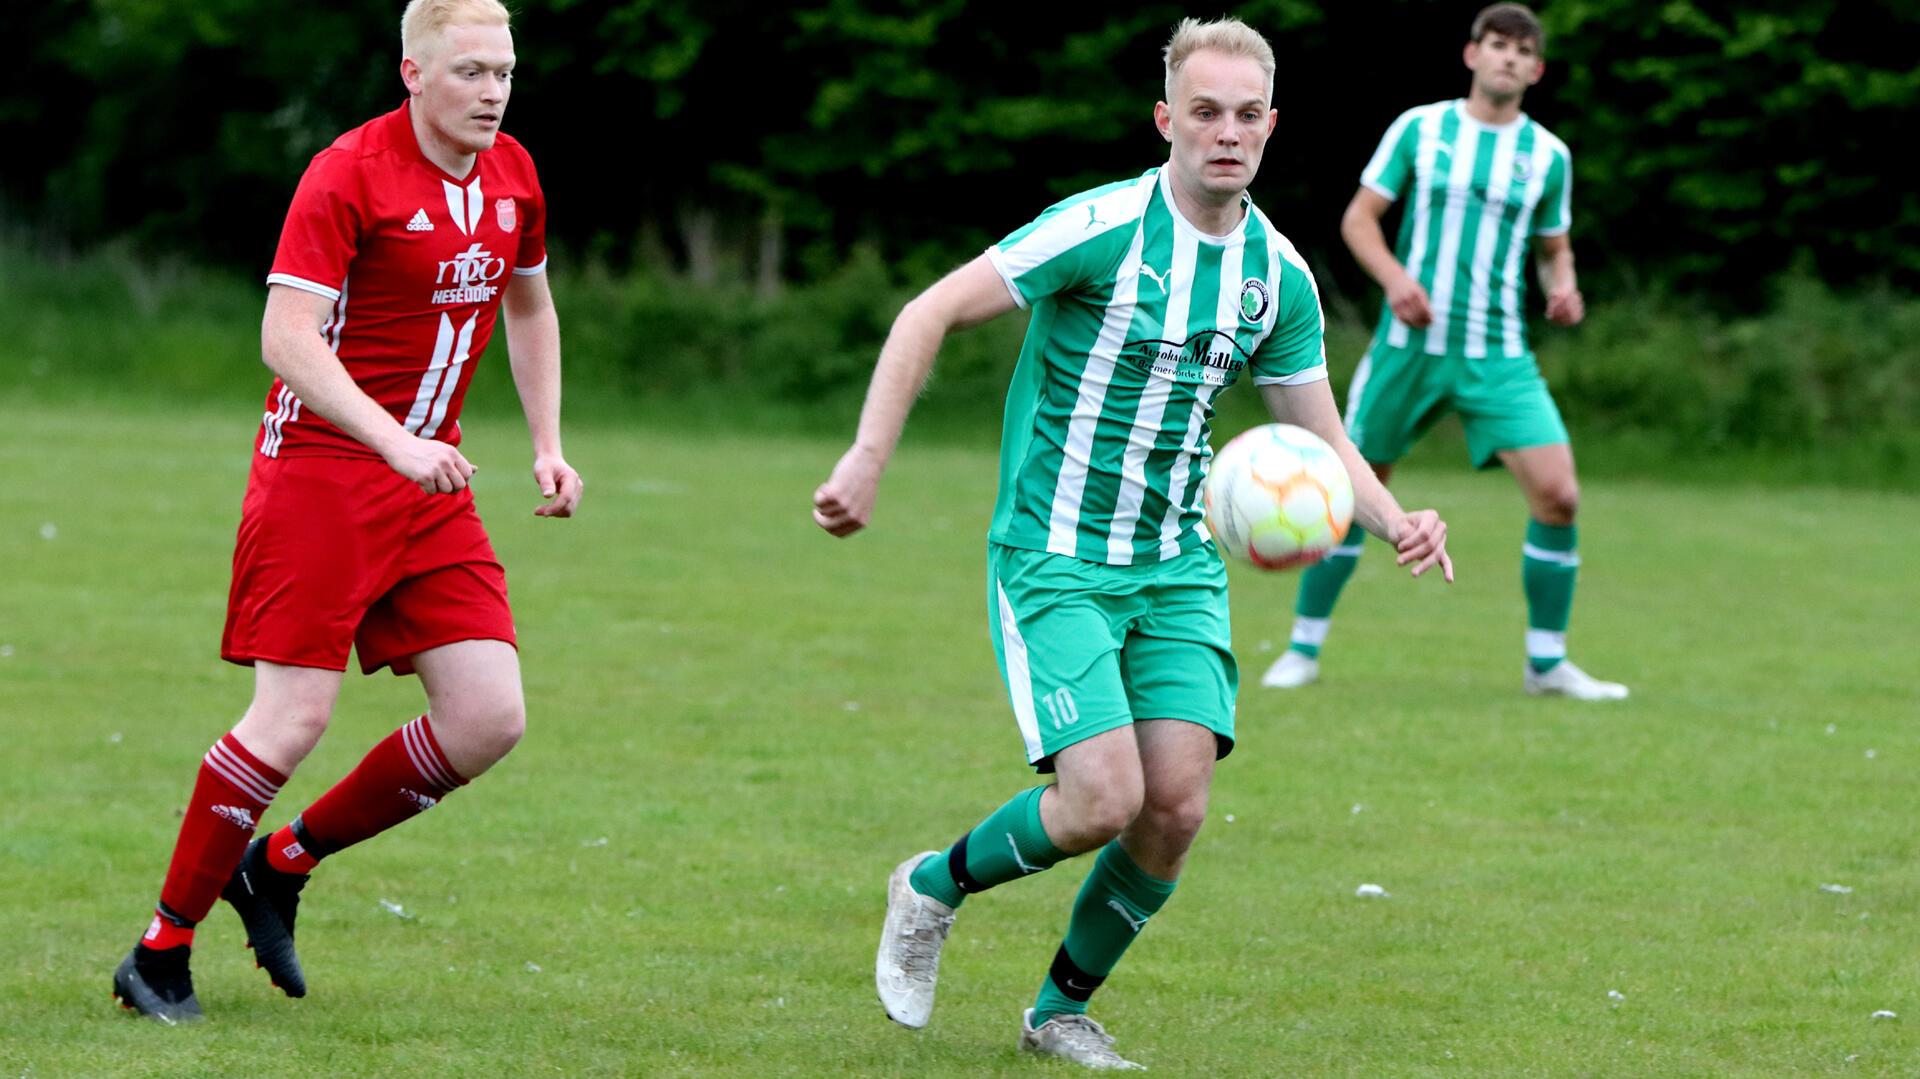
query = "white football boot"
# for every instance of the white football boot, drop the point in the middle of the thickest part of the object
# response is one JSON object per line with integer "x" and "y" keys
{"x": 1074, "y": 1037}
{"x": 1291, "y": 671}
{"x": 1564, "y": 679}
{"x": 908, "y": 963}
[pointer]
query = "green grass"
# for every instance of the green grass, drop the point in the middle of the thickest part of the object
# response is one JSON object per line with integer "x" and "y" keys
{"x": 739, "y": 725}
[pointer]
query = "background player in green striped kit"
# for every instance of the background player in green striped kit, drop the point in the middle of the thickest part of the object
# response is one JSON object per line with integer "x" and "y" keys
{"x": 1107, "y": 601}
{"x": 1481, "y": 182}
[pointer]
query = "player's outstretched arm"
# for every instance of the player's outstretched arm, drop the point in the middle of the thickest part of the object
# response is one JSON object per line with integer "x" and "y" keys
{"x": 1360, "y": 228}
{"x": 293, "y": 347}
{"x": 533, "y": 351}
{"x": 968, "y": 296}
{"x": 1553, "y": 258}
{"x": 1420, "y": 537}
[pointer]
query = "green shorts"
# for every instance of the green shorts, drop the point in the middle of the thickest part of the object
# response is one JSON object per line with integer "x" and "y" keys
{"x": 1397, "y": 394}
{"x": 1086, "y": 647}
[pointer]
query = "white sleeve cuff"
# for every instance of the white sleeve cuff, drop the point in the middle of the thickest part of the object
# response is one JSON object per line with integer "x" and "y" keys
{"x": 995, "y": 256}
{"x": 303, "y": 285}
{"x": 528, "y": 271}
{"x": 1316, "y": 373}
{"x": 1380, "y": 189}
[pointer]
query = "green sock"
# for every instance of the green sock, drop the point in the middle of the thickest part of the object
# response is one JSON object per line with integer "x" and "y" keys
{"x": 1113, "y": 907}
{"x": 1320, "y": 586}
{"x": 1549, "y": 566}
{"x": 1008, "y": 845}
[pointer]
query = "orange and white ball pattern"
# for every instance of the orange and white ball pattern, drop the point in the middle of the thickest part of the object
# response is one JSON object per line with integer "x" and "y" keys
{"x": 1278, "y": 496}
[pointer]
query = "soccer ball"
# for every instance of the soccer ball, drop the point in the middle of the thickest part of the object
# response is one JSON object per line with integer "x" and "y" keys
{"x": 1278, "y": 496}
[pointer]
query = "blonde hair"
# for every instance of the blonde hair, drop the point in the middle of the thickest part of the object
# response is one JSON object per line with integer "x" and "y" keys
{"x": 425, "y": 19}
{"x": 1229, "y": 36}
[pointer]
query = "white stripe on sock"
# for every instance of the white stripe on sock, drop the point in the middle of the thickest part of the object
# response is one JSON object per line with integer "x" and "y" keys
{"x": 234, "y": 762}
{"x": 1311, "y": 631}
{"x": 1546, "y": 644}
{"x": 244, "y": 778}
{"x": 425, "y": 760}
{"x": 1564, "y": 558}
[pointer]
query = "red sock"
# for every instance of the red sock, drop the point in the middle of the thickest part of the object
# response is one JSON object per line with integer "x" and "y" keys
{"x": 234, "y": 788}
{"x": 401, "y": 777}
{"x": 166, "y": 933}
{"x": 289, "y": 849}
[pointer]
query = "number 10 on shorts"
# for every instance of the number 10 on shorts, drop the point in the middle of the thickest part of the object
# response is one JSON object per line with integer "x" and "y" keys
{"x": 1060, "y": 706}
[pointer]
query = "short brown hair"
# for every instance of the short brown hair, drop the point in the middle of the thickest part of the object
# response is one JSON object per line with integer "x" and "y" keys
{"x": 1516, "y": 21}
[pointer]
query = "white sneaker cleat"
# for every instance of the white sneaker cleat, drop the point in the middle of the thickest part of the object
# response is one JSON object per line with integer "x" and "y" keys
{"x": 908, "y": 963}
{"x": 1291, "y": 671}
{"x": 1076, "y": 1038}
{"x": 1563, "y": 679}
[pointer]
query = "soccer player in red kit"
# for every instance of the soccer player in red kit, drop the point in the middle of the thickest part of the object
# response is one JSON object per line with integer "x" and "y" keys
{"x": 405, "y": 239}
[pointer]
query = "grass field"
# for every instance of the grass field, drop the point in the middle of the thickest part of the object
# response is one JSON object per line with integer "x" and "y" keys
{"x": 739, "y": 725}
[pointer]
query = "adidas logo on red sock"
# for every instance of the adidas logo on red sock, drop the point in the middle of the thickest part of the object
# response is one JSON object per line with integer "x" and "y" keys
{"x": 420, "y": 801}
{"x": 235, "y": 815}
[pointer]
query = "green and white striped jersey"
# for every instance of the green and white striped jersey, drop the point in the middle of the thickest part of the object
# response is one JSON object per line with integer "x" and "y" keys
{"x": 1478, "y": 194}
{"x": 1139, "y": 321}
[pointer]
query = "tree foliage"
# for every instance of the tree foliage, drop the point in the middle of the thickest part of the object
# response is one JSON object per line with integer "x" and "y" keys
{"x": 1747, "y": 135}
{"x": 1714, "y": 143}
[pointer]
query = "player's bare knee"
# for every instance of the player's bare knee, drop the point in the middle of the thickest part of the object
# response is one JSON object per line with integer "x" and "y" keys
{"x": 500, "y": 728}
{"x": 478, "y": 732}
{"x": 1175, "y": 820}
{"x": 1113, "y": 811}
{"x": 1099, "y": 812}
{"x": 1557, "y": 503}
{"x": 282, "y": 726}
{"x": 512, "y": 729}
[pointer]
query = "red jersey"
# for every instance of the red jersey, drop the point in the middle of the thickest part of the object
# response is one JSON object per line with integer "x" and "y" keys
{"x": 414, "y": 260}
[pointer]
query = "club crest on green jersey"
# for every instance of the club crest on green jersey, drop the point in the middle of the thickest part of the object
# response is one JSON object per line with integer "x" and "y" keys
{"x": 1254, "y": 299}
{"x": 1522, "y": 167}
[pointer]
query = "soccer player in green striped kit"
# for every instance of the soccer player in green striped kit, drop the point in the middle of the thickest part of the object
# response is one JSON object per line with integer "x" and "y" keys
{"x": 1107, "y": 601}
{"x": 1482, "y": 181}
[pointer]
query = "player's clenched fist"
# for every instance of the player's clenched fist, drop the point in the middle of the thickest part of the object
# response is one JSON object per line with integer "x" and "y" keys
{"x": 1565, "y": 306}
{"x": 437, "y": 467}
{"x": 1409, "y": 302}
{"x": 844, "y": 503}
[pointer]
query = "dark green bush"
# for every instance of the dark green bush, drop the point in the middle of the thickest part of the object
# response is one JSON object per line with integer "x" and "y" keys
{"x": 1817, "y": 376}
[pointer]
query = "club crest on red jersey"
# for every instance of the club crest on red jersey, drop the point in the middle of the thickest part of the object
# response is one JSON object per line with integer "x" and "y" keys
{"x": 503, "y": 211}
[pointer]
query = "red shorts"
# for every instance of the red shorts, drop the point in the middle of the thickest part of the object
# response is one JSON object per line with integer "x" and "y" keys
{"x": 337, "y": 553}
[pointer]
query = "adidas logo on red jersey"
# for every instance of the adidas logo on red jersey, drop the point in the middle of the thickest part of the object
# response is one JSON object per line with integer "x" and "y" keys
{"x": 420, "y": 222}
